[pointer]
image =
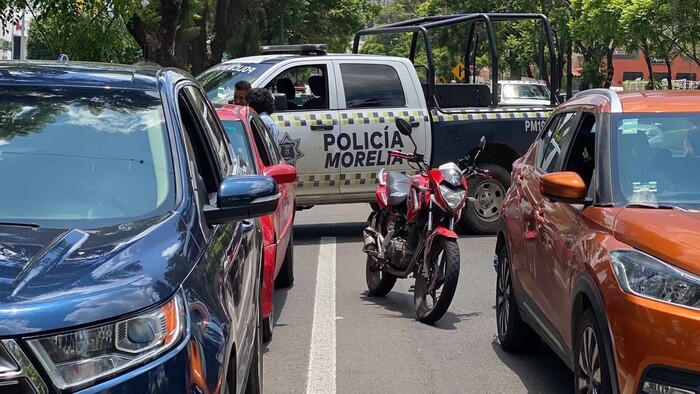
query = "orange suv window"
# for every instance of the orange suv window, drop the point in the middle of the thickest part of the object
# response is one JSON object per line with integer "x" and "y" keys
{"x": 554, "y": 142}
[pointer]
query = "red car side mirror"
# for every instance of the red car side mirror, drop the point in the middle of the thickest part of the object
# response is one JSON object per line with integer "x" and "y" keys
{"x": 282, "y": 173}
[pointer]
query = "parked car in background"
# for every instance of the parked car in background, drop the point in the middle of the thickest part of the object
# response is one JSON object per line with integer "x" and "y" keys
{"x": 523, "y": 93}
{"x": 129, "y": 257}
{"x": 254, "y": 144}
{"x": 598, "y": 249}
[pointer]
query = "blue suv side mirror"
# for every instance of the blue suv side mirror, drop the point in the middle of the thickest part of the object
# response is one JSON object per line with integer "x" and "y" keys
{"x": 243, "y": 197}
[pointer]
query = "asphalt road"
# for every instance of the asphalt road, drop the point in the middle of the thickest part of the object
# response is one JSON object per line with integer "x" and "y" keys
{"x": 343, "y": 341}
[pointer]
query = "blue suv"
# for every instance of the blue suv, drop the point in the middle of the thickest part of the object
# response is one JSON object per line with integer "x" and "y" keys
{"x": 130, "y": 259}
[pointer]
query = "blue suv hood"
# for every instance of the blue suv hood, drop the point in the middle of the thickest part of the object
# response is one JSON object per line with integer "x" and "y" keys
{"x": 53, "y": 279}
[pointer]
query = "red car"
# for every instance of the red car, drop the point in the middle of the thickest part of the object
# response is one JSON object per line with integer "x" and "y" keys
{"x": 254, "y": 144}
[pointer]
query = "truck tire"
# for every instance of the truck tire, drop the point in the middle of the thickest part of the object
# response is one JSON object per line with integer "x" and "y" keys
{"x": 481, "y": 217}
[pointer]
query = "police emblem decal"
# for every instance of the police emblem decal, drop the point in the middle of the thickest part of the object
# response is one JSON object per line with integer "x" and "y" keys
{"x": 289, "y": 149}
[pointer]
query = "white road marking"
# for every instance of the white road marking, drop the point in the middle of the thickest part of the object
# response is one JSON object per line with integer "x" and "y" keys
{"x": 321, "y": 377}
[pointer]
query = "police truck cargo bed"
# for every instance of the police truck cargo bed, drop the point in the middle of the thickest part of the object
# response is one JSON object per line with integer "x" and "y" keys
{"x": 337, "y": 115}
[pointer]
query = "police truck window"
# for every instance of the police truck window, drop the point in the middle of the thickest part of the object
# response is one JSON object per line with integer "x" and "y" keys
{"x": 372, "y": 86}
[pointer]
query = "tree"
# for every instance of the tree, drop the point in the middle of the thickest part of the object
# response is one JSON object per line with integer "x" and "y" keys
{"x": 595, "y": 27}
{"x": 644, "y": 23}
{"x": 83, "y": 34}
{"x": 5, "y": 46}
{"x": 685, "y": 31}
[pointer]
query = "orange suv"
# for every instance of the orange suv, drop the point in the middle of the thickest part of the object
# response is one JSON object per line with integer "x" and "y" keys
{"x": 598, "y": 249}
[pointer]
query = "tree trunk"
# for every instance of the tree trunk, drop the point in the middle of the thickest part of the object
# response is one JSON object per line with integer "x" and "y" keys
{"x": 561, "y": 61}
{"x": 570, "y": 69}
{"x": 587, "y": 59}
{"x": 158, "y": 47}
{"x": 198, "y": 58}
{"x": 647, "y": 58}
{"x": 529, "y": 73}
{"x": 669, "y": 80}
{"x": 516, "y": 70}
{"x": 610, "y": 67}
{"x": 225, "y": 12}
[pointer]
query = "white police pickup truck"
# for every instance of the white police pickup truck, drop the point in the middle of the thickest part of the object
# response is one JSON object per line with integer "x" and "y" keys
{"x": 338, "y": 136}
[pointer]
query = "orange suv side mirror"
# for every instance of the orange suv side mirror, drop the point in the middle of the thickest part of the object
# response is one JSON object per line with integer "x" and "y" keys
{"x": 566, "y": 187}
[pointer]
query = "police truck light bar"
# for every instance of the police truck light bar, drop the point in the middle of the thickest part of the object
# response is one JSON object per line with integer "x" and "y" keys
{"x": 303, "y": 49}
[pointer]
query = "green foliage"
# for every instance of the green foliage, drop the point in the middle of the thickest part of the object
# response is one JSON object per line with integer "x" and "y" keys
{"x": 176, "y": 32}
{"x": 5, "y": 45}
{"x": 84, "y": 35}
{"x": 321, "y": 21}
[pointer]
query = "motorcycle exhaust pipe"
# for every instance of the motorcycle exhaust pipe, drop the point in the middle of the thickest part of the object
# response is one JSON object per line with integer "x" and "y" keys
{"x": 370, "y": 240}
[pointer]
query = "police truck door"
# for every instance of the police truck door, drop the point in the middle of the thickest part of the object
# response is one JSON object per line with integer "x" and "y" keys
{"x": 371, "y": 97}
{"x": 307, "y": 127}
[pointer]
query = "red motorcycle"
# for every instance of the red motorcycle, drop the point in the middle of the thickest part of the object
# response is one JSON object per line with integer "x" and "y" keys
{"x": 413, "y": 231}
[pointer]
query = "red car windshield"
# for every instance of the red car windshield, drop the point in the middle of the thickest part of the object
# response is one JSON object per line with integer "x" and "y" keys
{"x": 239, "y": 141}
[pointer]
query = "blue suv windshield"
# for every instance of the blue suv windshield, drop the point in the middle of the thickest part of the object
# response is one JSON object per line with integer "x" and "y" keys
{"x": 83, "y": 157}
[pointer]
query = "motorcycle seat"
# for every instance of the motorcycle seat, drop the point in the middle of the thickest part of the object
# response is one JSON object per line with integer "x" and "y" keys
{"x": 398, "y": 187}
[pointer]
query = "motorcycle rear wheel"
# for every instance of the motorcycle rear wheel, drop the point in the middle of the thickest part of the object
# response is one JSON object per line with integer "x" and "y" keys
{"x": 444, "y": 274}
{"x": 379, "y": 283}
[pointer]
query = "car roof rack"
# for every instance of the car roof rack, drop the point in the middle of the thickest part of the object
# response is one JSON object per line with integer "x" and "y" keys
{"x": 303, "y": 49}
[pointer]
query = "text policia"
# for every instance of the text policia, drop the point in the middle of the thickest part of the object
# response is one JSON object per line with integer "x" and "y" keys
{"x": 368, "y": 149}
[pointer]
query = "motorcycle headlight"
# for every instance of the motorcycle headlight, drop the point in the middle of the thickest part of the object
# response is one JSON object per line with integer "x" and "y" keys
{"x": 74, "y": 358}
{"x": 646, "y": 276}
{"x": 452, "y": 198}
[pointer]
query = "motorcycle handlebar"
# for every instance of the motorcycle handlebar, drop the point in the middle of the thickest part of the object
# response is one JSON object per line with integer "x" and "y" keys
{"x": 402, "y": 155}
{"x": 472, "y": 171}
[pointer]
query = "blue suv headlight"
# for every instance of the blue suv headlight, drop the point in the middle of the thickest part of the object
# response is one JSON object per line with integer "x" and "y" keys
{"x": 78, "y": 357}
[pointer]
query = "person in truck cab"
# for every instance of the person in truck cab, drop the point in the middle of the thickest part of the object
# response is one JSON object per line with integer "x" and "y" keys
{"x": 318, "y": 88}
{"x": 262, "y": 101}
{"x": 286, "y": 86}
{"x": 240, "y": 92}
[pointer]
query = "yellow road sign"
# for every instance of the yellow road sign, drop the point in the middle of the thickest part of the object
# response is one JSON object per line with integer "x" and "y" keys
{"x": 458, "y": 71}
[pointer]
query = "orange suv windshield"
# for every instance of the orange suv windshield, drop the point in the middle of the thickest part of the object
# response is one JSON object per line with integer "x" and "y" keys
{"x": 656, "y": 159}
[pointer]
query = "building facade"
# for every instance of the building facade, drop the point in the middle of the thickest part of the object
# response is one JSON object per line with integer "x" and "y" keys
{"x": 633, "y": 67}
{"x": 16, "y": 34}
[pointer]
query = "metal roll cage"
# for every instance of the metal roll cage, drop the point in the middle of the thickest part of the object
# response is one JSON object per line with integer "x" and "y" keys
{"x": 423, "y": 25}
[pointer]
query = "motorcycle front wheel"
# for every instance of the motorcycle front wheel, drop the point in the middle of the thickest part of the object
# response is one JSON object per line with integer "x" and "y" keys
{"x": 433, "y": 295}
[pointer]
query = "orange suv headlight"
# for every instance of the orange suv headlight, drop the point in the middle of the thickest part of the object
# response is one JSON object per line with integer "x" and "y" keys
{"x": 646, "y": 276}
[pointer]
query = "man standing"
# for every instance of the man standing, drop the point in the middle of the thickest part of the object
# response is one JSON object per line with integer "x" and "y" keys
{"x": 240, "y": 91}
{"x": 263, "y": 102}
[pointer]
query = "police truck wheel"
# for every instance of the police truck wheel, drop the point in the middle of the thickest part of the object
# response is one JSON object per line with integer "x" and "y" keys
{"x": 481, "y": 216}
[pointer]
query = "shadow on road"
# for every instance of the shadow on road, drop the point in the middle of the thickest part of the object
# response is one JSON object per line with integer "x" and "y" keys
{"x": 541, "y": 371}
{"x": 280, "y": 297}
{"x": 309, "y": 234}
{"x": 403, "y": 304}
